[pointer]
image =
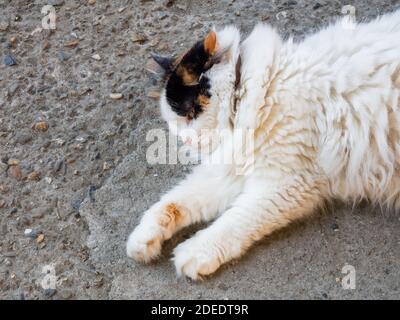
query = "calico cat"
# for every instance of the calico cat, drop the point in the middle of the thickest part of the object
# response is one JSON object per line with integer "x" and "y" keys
{"x": 325, "y": 114}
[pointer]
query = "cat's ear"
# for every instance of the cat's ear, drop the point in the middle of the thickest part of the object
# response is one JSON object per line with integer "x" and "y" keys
{"x": 210, "y": 43}
{"x": 161, "y": 64}
{"x": 213, "y": 49}
{"x": 226, "y": 47}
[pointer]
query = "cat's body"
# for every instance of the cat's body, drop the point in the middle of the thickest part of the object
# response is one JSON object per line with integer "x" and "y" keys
{"x": 326, "y": 120}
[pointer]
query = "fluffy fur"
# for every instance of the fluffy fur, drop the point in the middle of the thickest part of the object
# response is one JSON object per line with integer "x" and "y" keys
{"x": 326, "y": 119}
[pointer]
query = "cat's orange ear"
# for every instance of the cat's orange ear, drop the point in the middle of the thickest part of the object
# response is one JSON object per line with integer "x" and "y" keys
{"x": 210, "y": 42}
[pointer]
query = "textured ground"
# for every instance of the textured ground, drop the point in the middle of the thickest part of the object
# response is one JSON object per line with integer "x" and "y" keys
{"x": 73, "y": 168}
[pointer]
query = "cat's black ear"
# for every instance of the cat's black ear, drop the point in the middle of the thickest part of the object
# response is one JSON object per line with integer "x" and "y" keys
{"x": 166, "y": 63}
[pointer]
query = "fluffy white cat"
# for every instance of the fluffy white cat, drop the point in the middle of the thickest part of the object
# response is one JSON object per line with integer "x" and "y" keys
{"x": 325, "y": 114}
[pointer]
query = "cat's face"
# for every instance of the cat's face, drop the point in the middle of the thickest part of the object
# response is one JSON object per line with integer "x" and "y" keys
{"x": 194, "y": 86}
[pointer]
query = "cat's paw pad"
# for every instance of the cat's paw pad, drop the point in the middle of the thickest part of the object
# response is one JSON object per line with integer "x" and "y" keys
{"x": 144, "y": 246}
{"x": 193, "y": 261}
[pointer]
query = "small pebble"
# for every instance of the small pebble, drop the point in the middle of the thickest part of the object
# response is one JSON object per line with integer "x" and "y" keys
{"x": 163, "y": 46}
{"x": 116, "y": 96}
{"x": 15, "y": 172}
{"x": 139, "y": 38}
{"x": 154, "y": 94}
{"x": 28, "y": 232}
{"x": 13, "y": 41}
{"x": 13, "y": 162}
{"x": 59, "y": 142}
{"x": 96, "y": 57}
{"x": 34, "y": 176}
{"x": 81, "y": 139}
{"x": 71, "y": 44}
{"x": 9, "y": 60}
{"x": 40, "y": 238}
{"x": 91, "y": 2}
{"x": 106, "y": 166}
{"x": 48, "y": 180}
{"x": 41, "y": 126}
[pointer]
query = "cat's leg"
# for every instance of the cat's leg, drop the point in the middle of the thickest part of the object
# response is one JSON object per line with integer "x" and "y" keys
{"x": 260, "y": 209}
{"x": 200, "y": 197}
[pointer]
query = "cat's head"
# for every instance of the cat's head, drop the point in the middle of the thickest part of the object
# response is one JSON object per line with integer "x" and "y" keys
{"x": 199, "y": 85}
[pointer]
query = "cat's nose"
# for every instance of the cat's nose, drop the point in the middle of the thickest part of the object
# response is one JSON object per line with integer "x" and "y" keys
{"x": 188, "y": 141}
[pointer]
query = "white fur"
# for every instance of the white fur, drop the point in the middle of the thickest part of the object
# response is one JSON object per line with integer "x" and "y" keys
{"x": 326, "y": 115}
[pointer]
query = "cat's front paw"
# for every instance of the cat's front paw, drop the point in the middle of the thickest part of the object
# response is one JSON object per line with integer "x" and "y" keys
{"x": 195, "y": 258}
{"x": 158, "y": 224}
{"x": 144, "y": 244}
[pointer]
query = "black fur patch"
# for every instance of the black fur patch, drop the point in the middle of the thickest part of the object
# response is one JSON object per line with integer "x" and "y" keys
{"x": 183, "y": 97}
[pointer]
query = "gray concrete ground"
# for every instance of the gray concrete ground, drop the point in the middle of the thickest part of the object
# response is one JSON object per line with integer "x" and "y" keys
{"x": 94, "y": 181}
{"x": 304, "y": 261}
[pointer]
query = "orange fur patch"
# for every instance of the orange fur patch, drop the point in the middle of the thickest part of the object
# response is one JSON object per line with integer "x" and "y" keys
{"x": 150, "y": 242}
{"x": 172, "y": 215}
{"x": 210, "y": 42}
{"x": 203, "y": 100}
{"x": 188, "y": 77}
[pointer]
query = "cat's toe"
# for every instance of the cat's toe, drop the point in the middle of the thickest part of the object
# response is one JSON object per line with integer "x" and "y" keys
{"x": 143, "y": 247}
{"x": 194, "y": 262}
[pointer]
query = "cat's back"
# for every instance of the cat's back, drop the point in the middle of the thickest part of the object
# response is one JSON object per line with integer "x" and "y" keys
{"x": 359, "y": 91}
{"x": 342, "y": 57}
{"x": 346, "y": 80}
{"x": 346, "y": 36}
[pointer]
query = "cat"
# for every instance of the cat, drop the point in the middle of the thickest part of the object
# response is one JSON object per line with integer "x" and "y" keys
{"x": 325, "y": 113}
